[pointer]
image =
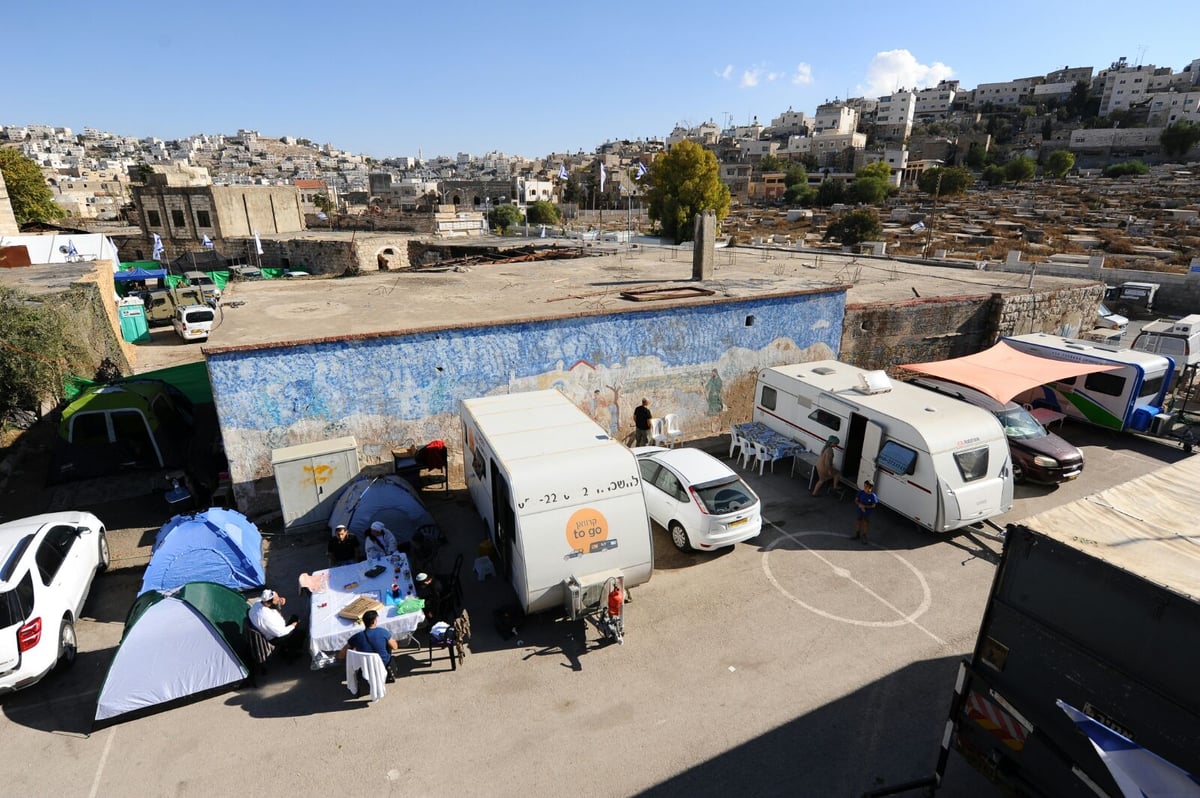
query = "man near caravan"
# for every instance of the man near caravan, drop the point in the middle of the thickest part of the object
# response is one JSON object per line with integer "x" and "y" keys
{"x": 865, "y": 503}
{"x": 380, "y": 542}
{"x": 265, "y": 616}
{"x": 641, "y": 423}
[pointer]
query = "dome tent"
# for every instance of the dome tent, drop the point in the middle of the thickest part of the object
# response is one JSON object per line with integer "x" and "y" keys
{"x": 216, "y": 545}
{"x": 389, "y": 499}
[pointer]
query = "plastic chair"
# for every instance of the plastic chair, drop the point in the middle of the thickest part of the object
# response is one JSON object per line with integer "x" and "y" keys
{"x": 658, "y": 433}
{"x": 736, "y": 442}
{"x": 673, "y": 431}
{"x": 448, "y": 595}
{"x": 371, "y": 666}
{"x": 452, "y": 639}
{"x": 766, "y": 456}
{"x": 259, "y": 648}
{"x": 749, "y": 453}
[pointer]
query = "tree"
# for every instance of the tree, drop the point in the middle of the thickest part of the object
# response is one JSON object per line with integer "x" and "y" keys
{"x": 686, "y": 181}
{"x": 868, "y": 190}
{"x": 1126, "y": 168}
{"x": 800, "y": 194}
{"x": 31, "y": 198}
{"x": 1020, "y": 168}
{"x": 542, "y": 212}
{"x": 770, "y": 163}
{"x": 504, "y": 217}
{"x": 37, "y": 353}
{"x": 945, "y": 180}
{"x": 879, "y": 169}
{"x": 324, "y": 203}
{"x": 993, "y": 175}
{"x": 855, "y": 227}
{"x": 795, "y": 175}
{"x": 1058, "y": 163}
{"x": 976, "y": 155}
{"x": 831, "y": 192}
{"x": 1180, "y": 137}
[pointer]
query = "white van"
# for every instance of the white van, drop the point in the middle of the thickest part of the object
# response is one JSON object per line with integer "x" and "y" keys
{"x": 193, "y": 322}
{"x": 939, "y": 461}
{"x": 561, "y": 499}
{"x": 1178, "y": 340}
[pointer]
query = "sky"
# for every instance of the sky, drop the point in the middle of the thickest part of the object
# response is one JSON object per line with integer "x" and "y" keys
{"x": 411, "y": 78}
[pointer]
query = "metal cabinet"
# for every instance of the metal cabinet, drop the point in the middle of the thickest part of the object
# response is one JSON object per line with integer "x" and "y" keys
{"x": 309, "y": 478}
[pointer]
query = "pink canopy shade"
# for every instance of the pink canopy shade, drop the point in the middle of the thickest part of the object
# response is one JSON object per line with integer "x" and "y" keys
{"x": 1003, "y": 372}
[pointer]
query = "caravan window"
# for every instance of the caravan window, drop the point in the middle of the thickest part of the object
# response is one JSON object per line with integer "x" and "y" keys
{"x": 1105, "y": 382}
{"x": 1151, "y": 388}
{"x": 897, "y": 459}
{"x": 767, "y": 399}
{"x": 972, "y": 465}
{"x": 825, "y": 419}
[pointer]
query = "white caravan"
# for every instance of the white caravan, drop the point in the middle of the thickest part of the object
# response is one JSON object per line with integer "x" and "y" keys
{"x": 939, "y": 461}
{"x": 562, "y": 500}
{"x": 1131, "y": 397}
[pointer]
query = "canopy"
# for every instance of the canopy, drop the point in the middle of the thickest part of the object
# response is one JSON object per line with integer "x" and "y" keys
{"x": 178, "y": 645}
{"x": 1003, "y": 372}
{"x": 217, "y": 545}
{"x": 139, "y": 274}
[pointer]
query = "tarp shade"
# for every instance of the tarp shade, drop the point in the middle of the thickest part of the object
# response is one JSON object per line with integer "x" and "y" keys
{"x": 139, "y": 274}
{"x": 147, "y": 265}
{"x": 191, "y": 379}
{"x": 1003, "y": 372}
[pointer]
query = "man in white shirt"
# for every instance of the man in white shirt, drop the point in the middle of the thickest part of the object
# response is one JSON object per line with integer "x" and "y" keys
{"x": 380, "y": 542}
{"x": 266, "y": 617}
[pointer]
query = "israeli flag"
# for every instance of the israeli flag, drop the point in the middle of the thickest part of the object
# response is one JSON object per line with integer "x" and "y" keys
{"x": 257, "y": 243}
{"x": 543, "y": 231}
{"x": 918, "y": 227}
{"x": 641, "y": 171}
{"x": 158, "y": 248}
{"x": 206, "y": 242}
{"x": 603, "y": 174}
{"x": 562, "y": 171}
{"x": 71, "y": 251}
{"x": 1138, "y": 772}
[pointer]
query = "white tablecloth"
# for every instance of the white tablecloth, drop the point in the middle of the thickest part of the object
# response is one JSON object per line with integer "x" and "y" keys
{"x": 328, "y": 632}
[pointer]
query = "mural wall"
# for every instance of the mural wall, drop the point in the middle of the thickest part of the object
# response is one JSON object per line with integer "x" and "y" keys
{"x": 698, "y": 362}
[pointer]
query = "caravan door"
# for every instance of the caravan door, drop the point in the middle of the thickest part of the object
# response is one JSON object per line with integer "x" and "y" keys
{"x": 872, "y": 439}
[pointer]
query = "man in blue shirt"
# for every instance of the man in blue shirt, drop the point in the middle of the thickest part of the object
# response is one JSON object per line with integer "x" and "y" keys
{"x": 865, "y": 503}
{"x": 373, "y": 639}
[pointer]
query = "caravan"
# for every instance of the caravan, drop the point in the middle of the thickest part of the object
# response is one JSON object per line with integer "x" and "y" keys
{"x": 1130, "y": 397}
{"x": 561, "y": 499}
{"x": 941, "y": 462}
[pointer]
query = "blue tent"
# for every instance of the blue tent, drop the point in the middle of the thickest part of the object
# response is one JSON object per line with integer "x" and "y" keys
{"x": 139, "y": 274}
{"x": 216, "y": 545}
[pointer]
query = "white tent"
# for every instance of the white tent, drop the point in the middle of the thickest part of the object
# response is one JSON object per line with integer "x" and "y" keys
{"x": 55, "y": 247}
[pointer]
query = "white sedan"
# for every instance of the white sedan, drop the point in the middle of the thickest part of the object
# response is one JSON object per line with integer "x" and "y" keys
{"x": 47, "y": 564}
{"x": 698, "y": 499}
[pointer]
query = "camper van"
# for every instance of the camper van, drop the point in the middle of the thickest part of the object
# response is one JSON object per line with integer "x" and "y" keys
{"x": 561, "y": 499}
{"x": 941, "y": 462}
{"x": 1130, "y": 397}
{"x": 1178, "y": 340}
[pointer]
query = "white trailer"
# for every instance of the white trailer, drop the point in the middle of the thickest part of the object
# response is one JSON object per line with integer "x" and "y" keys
{"x": 562, "y": 500}
{"x": 939, "y": 461}
{"x": 1131, "y": 397}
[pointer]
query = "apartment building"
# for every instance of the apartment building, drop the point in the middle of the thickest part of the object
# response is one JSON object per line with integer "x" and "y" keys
{"x": 894, "y": 115}
{"x": 835, "y": 118}
{"x": 936, "y": 103}
{"x": 1008, "y": 94}
{"x": 1167, "y": 108}
{"x": 789, "y": 123}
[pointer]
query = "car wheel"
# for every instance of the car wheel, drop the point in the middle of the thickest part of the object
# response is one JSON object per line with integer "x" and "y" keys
{"x": 67, "y": 645}
{"x": 679, "y": 536}
{"x": 1018, "y": 473}
{"x": 105, "y": 554}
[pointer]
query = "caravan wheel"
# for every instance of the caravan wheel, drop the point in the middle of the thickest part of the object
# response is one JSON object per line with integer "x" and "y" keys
{"x": 67, "y": 645}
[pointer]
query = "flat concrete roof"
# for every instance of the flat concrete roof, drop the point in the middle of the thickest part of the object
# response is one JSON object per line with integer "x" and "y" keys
{"x": 263, "y": 313}
{"x": 48, "y": 278}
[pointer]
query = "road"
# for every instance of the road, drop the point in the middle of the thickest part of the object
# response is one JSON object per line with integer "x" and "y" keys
{"x": 800, "y": 663}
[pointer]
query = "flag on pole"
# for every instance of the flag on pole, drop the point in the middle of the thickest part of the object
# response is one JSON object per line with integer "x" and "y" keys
{"x": 71, "y": 251}
{"x": 1138, "y": 772}
{"x": 257, "y": 243}
{"x": 918, "y": 227}
{"x": 641, "y": 171}
{"x": 562, "y": 171}
{"x": 206, "y": 242}
{"x": 158, "y": 248}
{"x": 602, "y": 176}
{"x": 543, "y": 231}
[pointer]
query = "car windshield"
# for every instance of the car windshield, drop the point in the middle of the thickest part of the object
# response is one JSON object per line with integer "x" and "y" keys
{"x": 1105, "y": 312}
{"x": 1020, "y": 424}
{"x": 197, "y": 316}
{"x": 726, "y": 496}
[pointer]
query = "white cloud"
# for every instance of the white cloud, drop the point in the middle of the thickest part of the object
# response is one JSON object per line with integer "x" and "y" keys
{"x": 750, "y": 78}
{"x": 726, "y": 73}
{"x": 898, "y": 69}
{"x": 803, "y": 75}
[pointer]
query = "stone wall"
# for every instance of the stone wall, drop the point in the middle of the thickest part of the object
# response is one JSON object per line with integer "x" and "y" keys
{"x": 880, "y": 336}
{"x": 1179, "y": 295}
{"x": 334, "y": 256}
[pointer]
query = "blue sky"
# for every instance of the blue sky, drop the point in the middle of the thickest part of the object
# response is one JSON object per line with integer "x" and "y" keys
{"x": 398, "y": 78}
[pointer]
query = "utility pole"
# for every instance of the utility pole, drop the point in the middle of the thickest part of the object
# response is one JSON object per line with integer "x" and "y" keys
{"x": 937, "y": 190}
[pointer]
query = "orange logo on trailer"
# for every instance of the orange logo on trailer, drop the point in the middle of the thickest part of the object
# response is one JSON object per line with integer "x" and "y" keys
{"x": 586, "y": 527}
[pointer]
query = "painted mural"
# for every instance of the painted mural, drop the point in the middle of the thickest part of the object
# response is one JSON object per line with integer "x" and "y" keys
{"x": 700, "y": 363}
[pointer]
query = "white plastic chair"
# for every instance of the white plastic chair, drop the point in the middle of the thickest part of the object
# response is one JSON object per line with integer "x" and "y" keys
{"x": 658, "y": 433}
{"x": 766, "y": 456}
{"x": 736, "y": 442}
{"x": 371, "y": 664}
{"x": 749, "y": 453}
{"x": 674, "y": 431}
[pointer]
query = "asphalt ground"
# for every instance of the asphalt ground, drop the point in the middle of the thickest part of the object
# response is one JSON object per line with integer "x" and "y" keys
{"x": 799, "y": 663}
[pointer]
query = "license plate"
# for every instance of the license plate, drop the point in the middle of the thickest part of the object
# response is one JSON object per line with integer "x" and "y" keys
{"x": 739, "y": 522}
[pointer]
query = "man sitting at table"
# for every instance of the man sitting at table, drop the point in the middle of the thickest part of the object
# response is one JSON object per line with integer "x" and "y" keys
{"x": 380, "y": 542}
{"x": 343, "y": 546}
{"x": 288, "y": 636}
{"x": 373, "y": 639}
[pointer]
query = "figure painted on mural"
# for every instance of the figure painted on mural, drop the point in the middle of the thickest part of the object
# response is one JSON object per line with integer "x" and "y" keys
{"x": 712, "y": 390}
{"x": 595, "y": 404}
{"x": 614, "y": 412}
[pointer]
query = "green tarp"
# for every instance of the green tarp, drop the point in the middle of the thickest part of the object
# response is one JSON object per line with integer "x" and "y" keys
{"x": 190, "y": 378}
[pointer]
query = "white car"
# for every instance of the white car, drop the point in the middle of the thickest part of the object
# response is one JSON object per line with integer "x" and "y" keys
{"x": 698, "y": 499}
{"x": 47, "y": 564}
